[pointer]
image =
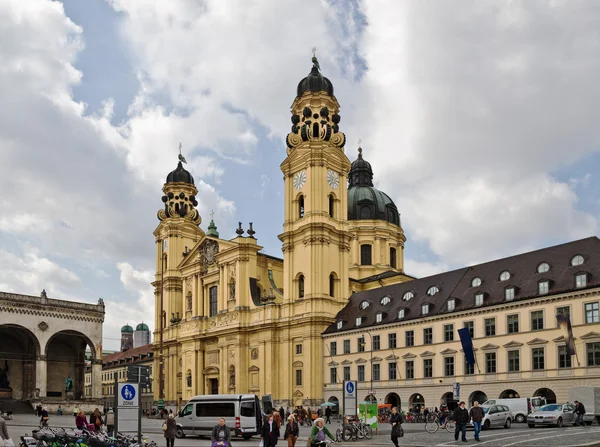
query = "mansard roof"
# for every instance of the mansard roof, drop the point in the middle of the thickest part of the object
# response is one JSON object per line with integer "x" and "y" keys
{"x": 459, "y": 285}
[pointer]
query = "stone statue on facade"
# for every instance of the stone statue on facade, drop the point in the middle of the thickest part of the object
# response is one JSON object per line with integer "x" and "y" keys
{"x": 68, "y": 384}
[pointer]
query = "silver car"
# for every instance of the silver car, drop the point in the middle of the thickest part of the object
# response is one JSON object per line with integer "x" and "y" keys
{"x": 552, "y": 414}
{"x": 495, "y": 416}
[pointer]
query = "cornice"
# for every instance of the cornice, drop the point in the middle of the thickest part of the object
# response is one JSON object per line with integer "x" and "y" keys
{"x": 512, "y": 344}
{"x": 537, "y": 341}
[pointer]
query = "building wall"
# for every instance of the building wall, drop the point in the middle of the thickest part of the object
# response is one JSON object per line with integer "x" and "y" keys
{"x": 526, "y": 382}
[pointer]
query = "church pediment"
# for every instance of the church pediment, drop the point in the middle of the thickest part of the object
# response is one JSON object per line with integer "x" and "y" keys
{"x": 427, "y": 354}
{"x": 392, "y": 357}
{"x": 298, "y": 393}
{"x": 333, "y": 364}
{"x": 253, "y": 368}
{"x": 211, "y": 370}
{"x": 299, "y": 364}
{"x": 590, "y": 335}
{"x": 376, "y": 359}
{"x": 409, "y": 355}
{"x": 489, "y": 347}
{"x": 346, "y": 362}
{"x": 448, "y": 351}
{"x": 360, "y": 360}
{"x": 537, "y": 341}
{"x": 512, "y": 344}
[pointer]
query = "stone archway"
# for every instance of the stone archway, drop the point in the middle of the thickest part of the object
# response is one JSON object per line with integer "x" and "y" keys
{"x": 416, "y": 400}
{"x": 334, "y": 400}
{"x": 65, "y": 358}
{"x": 509, "y": 394}
{"x": 547, "y": 393}
{"x": 448, "y": 399}
{"x": 478, "y": 396}
{"x": 371, "y": 398}
{"x": 393, "y": 399}
{"x": 19, "y": 353}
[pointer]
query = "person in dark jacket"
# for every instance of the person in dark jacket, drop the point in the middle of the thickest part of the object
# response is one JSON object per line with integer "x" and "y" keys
{"x": 396, "y": 421}
{"x": 221, "y": 433}
{"x": 476, "y": 414}
{"x": 292, "y": 430}
{"x": 171, "y": 430}
{"x": 328, "y": 415}
{"x": 270, "y": 432}
{"x": 580, "y": 411}
{"x": 461, "y": 417}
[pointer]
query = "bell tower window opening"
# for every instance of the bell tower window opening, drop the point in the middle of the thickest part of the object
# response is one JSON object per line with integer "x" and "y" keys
{"x": 301, "y": 286}
{"x": 301, "y": 206}
{"x": 392, "y": 257}
{"x": 365, "y": 254}
{"x": 331, "y": 205}
{"x": 213, "y": 301}
{"x": 331, "y": 285}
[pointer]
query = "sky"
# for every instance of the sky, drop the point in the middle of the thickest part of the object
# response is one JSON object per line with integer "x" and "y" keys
{"x": 480, "y": 120}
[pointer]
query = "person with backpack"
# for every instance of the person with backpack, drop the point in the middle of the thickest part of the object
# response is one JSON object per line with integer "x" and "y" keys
{"x": 170, "y": 429}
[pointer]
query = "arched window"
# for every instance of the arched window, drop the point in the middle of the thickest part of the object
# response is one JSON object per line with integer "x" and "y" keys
{"x": 331, "y": 205}
{"x": 392, "y": 257}
{"x": 301, "y": 286}
{"x": 476, "y": 282}
{"x": 301, "y": 206}
{"x": 365, "y": 212}
{"x": 331, "y": 285}
{"x": 505, "y": 275}
{"x": 543, "y": 267}
{"x": 577, "y": 260}
{"x": 213, "y": 301}
{"x": 365, "y": 254}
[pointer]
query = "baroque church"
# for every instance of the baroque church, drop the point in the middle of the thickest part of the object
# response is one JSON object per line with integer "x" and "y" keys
{"x": 232, "y": 319}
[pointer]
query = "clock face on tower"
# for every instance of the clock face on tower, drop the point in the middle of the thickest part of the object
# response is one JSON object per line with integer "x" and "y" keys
{"x": 299, "y": 179}
{"x": 333, "y": 179}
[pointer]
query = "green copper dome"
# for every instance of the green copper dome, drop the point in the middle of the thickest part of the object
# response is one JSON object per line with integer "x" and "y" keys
{"x": 126, "y": 328}
{"x": 142, "y": 327}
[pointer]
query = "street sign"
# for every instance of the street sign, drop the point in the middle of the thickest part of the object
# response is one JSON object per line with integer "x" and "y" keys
{"x": 127, "y": 394}
{"x": 139, "y": 374}
{"x": 456, "y": 390}
{"x": 350, "y": 397}
{"x": 128, "y": 407}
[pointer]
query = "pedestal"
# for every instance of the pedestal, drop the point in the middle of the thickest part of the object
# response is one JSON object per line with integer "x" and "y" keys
{"x": 70, "y": 395}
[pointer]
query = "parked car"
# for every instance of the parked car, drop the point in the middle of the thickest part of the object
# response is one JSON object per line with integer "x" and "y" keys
{"x": 495, "y": 416}
{"x": 520, "y": 406}
{"x": 552, "y": 414}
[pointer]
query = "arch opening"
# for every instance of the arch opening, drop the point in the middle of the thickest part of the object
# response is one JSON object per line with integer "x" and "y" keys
{"x": 478, "y": 396}
{"x": 20, "y": 349}
{"x": 371, "y": 398}
{"x": 393, "y": 399}
{"x": 509, "y": 394}
{"x": 416, "y": 401}
{"x": 448, "y": 399}
{"x": 336, "y": 408}
{"x": 547, "y": 393}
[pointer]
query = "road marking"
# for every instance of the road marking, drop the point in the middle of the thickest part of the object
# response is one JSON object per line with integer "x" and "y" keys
{"x": 556, "y": 436}
{"x": 503, "y": 439}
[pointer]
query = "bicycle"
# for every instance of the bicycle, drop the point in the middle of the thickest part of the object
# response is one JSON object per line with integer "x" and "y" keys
{"x": 357, "y": 430}
{"x": 433, "y": 424}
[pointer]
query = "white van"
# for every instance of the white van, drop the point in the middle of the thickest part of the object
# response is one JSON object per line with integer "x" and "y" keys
{"x": 519, "y": 407}
{"x": 242, "y": 414}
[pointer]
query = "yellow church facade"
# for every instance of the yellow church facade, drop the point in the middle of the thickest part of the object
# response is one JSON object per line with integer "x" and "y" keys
{"x": 232, "y": 319}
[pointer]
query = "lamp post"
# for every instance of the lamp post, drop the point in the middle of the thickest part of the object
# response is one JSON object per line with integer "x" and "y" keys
{"x": 371, "y": 374}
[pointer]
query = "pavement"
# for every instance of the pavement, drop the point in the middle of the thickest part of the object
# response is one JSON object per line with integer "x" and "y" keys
{"x": 519, "y": 435}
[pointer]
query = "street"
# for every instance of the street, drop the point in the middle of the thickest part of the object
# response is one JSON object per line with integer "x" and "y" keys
{"x": 415, "y": 435}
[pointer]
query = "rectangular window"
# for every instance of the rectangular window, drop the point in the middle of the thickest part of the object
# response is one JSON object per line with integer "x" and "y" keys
{"x": 333, "y": 348}
{"x": 428, "y": 368}
{"x": 538, "y": 358}
{"x": 213, "y": 300}
{"x": 509, "y": 293}
{"x": 392, "y": 341}
{"x": 346, "y": 346}
{"x": 379, "y": 317}
{"x": 365, "y": 254}
{"x": 376, "y": 342}
{"x": 451, "y": 305}
{"x": 449, "y": 366}
{"x": 512, "y": 324}
{"x": 361, "y": 373}
{"x": 448, "y": 332}
{"x": 346, "y": 373}
{"x": 376, "y": 371}
{"x": 479, "y": 299}
{"x": 581, "y": 280}
{"x": 469, "y": 369}
{"x": 490, "y": 327}
{"x": 564, "y": 360}
{"x": 209, "y": 409}
{"x": 298, "y": 377}
{"x": 392, "y": 257}
{"x": 591, "y": 313}
{"x": 358, "y": 321}
{"x": 471, "y": 327}
{"x": 537, "y": 320}
{"x": 428, "y": 336}
{"x": 361, "y": 344}
{"x": 400, "y": 314}
{"x": 543, "y": 287}
{"x": 392, "y": 371}
{"x": 333, "y": 375}
{"x": 425, "y": 309}
{"x": 298, "y": 349}
{"x": 593, "y": 354}
{"x": 514, "y": 364}
{"x": 410, "y": 369}
{"x": 409, "y": 338}
{"x": 490, "y": 362}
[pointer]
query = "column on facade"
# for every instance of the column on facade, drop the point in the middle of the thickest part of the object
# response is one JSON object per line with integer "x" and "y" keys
{"x": 96, "y": 378}
{"x": 222, "y": 289}
{"x": 355, "y": 251}
{"x": 195, "y": 295}
{"x": 41, "y": 375}
{"x": 377, "y": 251}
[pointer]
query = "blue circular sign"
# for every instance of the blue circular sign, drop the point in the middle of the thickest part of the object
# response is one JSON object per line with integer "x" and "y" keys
{"x": 128, "y": 392}
{"x": 350, "y": 387}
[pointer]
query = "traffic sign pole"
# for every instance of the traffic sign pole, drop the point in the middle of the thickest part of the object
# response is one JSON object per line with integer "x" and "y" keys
{"x": 140, "y": 407}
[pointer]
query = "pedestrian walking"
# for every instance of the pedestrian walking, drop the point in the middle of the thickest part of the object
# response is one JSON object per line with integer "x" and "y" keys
{"x": 170, "y": 427}
{"x": 476, "y": 414}
{"x": 328, "y": 415}
{"x": 461, "y": 417}
{"x": 291, "y": 431}
{"x": 221, "y": 435}
{"x": 81, "y": 421}
{"x": 579, "y": 411}
{"x": 396, "y": 421}
{"x": 270, "y": 432}
{"x": 110, "y": 422}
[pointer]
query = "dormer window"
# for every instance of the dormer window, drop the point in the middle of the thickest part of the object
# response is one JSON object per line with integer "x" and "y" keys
{"x": 433, "y": 290}
{"x": 543, "y": 287}
{"x": 425, "y": 309}
{"x": 577, "y": 260}
{"x": 358, "y": 321}
{"x": 479, "y": 299}
{"x": 379, "y": 317}
{"x": 451, "y": 305}
{"x": 509, "y": 294}
{"x": 505, "y": 275}
{"x": 385, "y": 300}
{"x": 581, "y": 280}
{"x": 543, "y": 267}
{"x": 400, "y": 314}
{"x": 339, "y": 324}
{"x": 407, "y": 296}
{"x": 476, "y": 282}
{"x": 364, "y": 305}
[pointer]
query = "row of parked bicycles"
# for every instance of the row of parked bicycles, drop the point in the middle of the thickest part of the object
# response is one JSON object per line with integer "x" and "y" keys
{"x": 69, "y": 437}
{"x": 353, "y": 431}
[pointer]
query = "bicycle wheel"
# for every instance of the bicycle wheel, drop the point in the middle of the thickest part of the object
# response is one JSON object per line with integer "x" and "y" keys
{"x": 431, "y": 427}
{"x": 368, "y": 432}
{"x": 359, "y": 432}
{"x": 450, "y": 426}
{"x": 338, "y": 435}
{"x": 347, "y": 433}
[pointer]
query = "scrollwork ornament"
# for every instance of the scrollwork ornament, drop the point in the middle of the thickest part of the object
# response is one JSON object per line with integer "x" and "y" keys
{"x": 293, "y": 140}
{"x": 338, "y": 139}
